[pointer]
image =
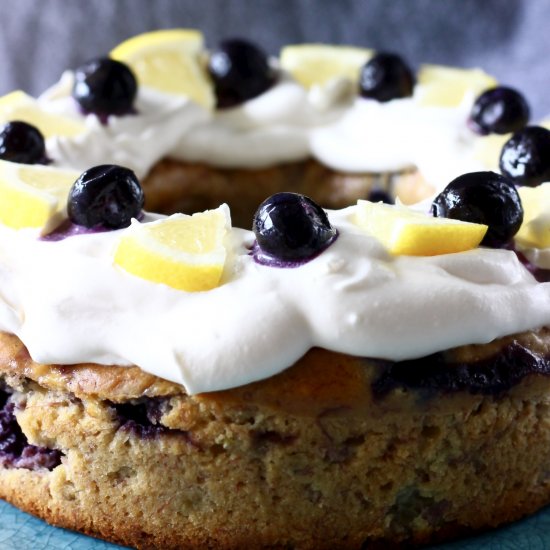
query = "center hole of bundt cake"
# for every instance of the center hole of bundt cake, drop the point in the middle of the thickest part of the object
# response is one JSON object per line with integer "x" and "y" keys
{"x": 15, "y": 450}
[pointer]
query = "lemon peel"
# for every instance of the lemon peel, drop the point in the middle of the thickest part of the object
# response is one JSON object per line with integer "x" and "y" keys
{"x": 406, "y": 232}
{"x": 184, "y": 252}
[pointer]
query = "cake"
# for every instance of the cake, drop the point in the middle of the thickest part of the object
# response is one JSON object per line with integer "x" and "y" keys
{"x": 342, "y": 378}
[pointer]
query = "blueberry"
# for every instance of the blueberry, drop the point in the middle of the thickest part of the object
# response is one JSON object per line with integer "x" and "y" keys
{"x": 290, "y": 229}
{"x": 240, "y": 71}
{"x": 379, "y": 195}
{"x": 105, "y": 87}
{"x": 483, "y": 197}
{"x": 386, "y": 76}
{"x": 23, "y": 143}
{"x": 105, "y": 196}
{"x": 498, "y": 111}
{"x": 525, "y": 157}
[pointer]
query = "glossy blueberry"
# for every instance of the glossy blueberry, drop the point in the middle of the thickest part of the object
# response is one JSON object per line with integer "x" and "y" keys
{"x": 23, "y": 143}
{"x": 499, "y": 110}
{"x": 240, "y": 71}
{"x": 483, "y": 197}
{"x": 105, "y": 196}
{"x": 105, "y": 87}
{"x": 525, "y": 157}
{"x": 386, "y": 76}
{"x": 290, "y": 229}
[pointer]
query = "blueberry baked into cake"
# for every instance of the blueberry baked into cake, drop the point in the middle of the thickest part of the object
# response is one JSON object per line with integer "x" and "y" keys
{"x": 374, "y": 375}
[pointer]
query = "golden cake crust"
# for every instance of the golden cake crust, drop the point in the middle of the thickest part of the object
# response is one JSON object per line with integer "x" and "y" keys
{"x": 308, "y": 459}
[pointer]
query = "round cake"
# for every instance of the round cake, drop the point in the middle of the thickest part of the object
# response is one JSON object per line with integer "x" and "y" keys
{"x": 340, "y": 378}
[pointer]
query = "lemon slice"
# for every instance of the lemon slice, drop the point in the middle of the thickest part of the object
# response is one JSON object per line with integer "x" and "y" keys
{"x": 33, "y": 195}
{"x": 404, "y": 231}
{"x": 535, "y": 229}
{"x": 169, "y": 61}
{"x": 317, "y": 64}
{"x": 184, "y": 252}
{"x": 20, "y": 106}
{"x": 487, "y": 149}
{"x": 442, "y": 86}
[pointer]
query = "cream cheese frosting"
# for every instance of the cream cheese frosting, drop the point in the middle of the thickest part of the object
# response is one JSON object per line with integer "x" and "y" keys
{"x": 353, "y": 298}
{"x": 287, "y": 123}
{"x": 398, "y": 135}
{"x": 136, "y": 141}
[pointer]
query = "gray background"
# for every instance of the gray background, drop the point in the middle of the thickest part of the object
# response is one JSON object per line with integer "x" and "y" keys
{"x": 509, "y": 38}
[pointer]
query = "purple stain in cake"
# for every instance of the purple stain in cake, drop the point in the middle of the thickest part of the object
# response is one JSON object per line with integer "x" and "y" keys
{"x": 15, "y": 450}
{"x": 491, "y": 376}
{"x": 142, "y": 417}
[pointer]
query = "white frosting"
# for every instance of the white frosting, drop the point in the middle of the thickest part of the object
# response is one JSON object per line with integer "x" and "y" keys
{"x": 398, "y": 135}
{"x": 284, "y": 124}
{"x": 353, "y": 298}
{"x": 136, "y": 141}
{"x": 272, "y": 128}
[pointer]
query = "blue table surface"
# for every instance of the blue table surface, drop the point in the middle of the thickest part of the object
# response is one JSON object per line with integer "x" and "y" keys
{"x": 19, "y": 531}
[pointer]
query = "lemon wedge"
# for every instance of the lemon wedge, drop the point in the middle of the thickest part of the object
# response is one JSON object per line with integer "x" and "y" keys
{"x": 169, "y": 61}
{"x": 312, "y": 64}
{"x": 20, "y": 106}
{"x": 184, "y": 252}
{"x": 535, "y": 229}
{"x": 403, "y": 231}
{"x": 487, "y": 149}
{"x": 33, "y": 195}
{"x": 442, "y": 86}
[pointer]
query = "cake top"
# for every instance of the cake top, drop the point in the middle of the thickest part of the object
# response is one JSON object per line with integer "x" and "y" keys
{"x": 198, "y": 302}
{"x": 313, "y": 101}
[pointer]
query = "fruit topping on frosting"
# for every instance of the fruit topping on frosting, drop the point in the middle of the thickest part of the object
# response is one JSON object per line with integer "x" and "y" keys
{"x": 23, "y": 143}
{"x": 535, "y": 229}
{"x": 499, "y": 110}
{"x": 169, "y": 61}
{"x": 20, "y": 106}
{"x": 33, "y": 196}
{"x": 318, "y": 64}
{"x": 405, "y": 231}
{"x": 290, "y": 230}
{"x": 385, "y": 77}
{"x": 442, "y": 86}
{"x": 240, "y": 71}
{"x": 184, "y": 252}
{"x": 379, "y": 195}
{"x": 525, "y": 157}
{"x": 105, "y": 87}
{"x": 485, "y": 198}
{"x": 105, "y": 196}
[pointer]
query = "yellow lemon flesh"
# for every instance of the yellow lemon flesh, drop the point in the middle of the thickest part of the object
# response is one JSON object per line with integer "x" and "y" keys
{"x": 20, "y": 106}
{"x": 313, "y": 64}
{"x": 184, "y": 252}
{"x": 33, "y": 196}
{"x": 535, "y": 229}
{"x": 169, "y": 61}
{"x": 487, "y": 149}
{"x": 442, "y": 86}
{"x": 403, "y": 231}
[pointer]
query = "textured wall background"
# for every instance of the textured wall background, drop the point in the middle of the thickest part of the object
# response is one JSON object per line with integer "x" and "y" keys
{"x": 509, "y": 38}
